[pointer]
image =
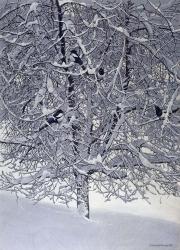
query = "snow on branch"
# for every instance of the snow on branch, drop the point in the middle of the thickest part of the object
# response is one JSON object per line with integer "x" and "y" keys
{"x": 85, "y": 92}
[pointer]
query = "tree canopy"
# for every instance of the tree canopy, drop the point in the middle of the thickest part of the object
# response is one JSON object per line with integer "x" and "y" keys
{"x": 90, "y": 98}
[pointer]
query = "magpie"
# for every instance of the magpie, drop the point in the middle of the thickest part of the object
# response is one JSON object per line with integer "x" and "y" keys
{"x": 158, "y": 111}
{"x": 76, "y": 57}
{"x": 101, "y": 72}
{"x": 52, "y": 119}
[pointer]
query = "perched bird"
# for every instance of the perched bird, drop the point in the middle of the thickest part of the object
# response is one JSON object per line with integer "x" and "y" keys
{"x": 100, "y": 74}
{"x": 76, "y": 58}
{"x": 52, "y": 119}
{"x": 101, "y": 71}
{"x": 158, "y": 111}
{"x": 74, "y": 53}
{"x": 125, "y": 86}
{"x": 58, "y": 113}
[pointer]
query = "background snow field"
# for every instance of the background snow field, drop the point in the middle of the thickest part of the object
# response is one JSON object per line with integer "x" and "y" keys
{"x": 24, "y": 226}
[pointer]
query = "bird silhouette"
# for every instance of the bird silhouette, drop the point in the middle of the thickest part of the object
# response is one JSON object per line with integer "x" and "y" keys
{"x": 76, "y": 57}
{"x": 101, "y": 71}
{"x": 52, "y": 119}
{"x": 158, "y": 111}
{"x": 100, "y": 74}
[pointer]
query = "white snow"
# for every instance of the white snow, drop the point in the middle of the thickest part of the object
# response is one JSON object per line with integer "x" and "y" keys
{"x": 178, "y": 98}
{"x": 69, "y": 25}
{"x": 94, "y": 22}
{"x": 24, "y": 226}
{"x": 91, "y": 71}
{"x": 147, "y": 23}
{"x": 50, "y": 86}
{"x": 95, "y": 160}
{"x": 61, "y": 2}
{"x": 45, "y": 174}
{"x": 31, "y": 23}
{"x": 33, "y": 7}
{"x": 83, "y": 3}
{"x": 126, "y": 33}
{"x": 40, "y": 96}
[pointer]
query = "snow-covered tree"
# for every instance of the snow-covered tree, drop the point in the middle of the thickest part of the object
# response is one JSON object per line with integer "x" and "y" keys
{"x": 89, "y": 99}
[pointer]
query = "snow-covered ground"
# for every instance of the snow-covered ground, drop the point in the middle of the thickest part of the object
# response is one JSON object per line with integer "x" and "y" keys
{"x": 159, "y": 207}
{"x": 24, "y": 226}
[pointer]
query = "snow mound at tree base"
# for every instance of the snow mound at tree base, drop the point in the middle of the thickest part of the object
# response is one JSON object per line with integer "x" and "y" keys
{"x": 24, "y": 226}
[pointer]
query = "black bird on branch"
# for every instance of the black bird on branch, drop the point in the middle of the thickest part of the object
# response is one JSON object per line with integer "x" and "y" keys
{"x": 100, "y": 74}
{"x": 76, "y": 57}
{"x": 158, "y": 110}
{"x": 52, "y": 119}
{"x": 101, "y": 71}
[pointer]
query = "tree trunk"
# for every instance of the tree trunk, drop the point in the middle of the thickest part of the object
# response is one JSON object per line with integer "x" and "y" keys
{"x": 81, "y": 180}
{"x": 82, "y": 195}
{"x": 128, "y": 47}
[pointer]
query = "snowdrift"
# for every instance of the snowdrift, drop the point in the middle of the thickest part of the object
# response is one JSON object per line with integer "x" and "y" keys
{"x": 24, "y": 226}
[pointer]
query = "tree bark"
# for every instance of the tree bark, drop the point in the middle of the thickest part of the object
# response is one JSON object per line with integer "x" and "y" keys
{"x": 82, "y": 195}
{"x": 128, "y": 48}
{"x": 82, "y": 191}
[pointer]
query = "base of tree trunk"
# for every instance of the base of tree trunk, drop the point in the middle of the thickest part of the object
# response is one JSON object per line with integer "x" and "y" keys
{"x": 82, "y": 195}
